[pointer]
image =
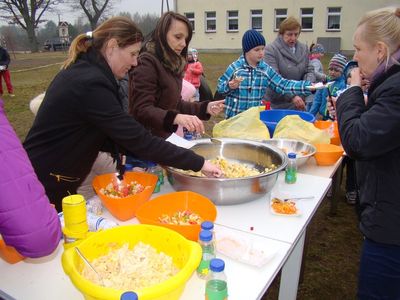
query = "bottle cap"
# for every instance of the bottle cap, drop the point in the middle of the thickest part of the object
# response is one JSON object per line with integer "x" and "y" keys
{"x": 129, "y": 296}
{"x": 207, "y": 225}
{"x": 217, "y": 265}
{"x": 292, "y": 155}
{"x": 205, "y": 236}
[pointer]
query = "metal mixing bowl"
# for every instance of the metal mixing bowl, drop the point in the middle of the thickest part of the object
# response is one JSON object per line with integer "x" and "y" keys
{"x": 227, "y": 191}
{"x": 289, "y": 145}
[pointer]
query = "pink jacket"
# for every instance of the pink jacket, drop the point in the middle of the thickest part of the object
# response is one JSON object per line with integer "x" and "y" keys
{"x": 193, "y": 73}
{"x": 27, "y": 220}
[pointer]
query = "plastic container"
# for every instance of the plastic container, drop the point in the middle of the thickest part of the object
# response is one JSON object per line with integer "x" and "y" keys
{"x": 331, "y": 128}
{"x": 327, "y": 154}
{"x": 150, "y": 211}
{"x": 125, "y": 208}
{"x": 129, "y": 296}
{"x": 217, "y": 285}
{"x": 75, "y": 219}
{"x": 9, "y": 254}
{"x": 291, "y": 169}
{"x": 208, "y": 253}
{"x": 208, "y": 225}
{"x": 155, "y": 169}
{"x": 186, "y": 256}
{"x": 272, "y": 117}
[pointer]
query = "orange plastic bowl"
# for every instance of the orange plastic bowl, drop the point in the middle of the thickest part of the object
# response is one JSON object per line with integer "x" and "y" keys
{"x": 171, "y": 203}
{"x": 9, "y": 254}
{"x": 334, "y": 132}
{"x": 125, "y": 208}
{"x": 327, "y": 154}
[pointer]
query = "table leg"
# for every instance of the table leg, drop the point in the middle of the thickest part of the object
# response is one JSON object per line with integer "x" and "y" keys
{"x": 336, "y": 181}
{"x": 291, "y": 271}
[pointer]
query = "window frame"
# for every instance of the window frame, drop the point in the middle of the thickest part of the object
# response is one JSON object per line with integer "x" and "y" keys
{"x": 229, "y": 18}
{"x": 283, "y": 17}
{"x": 303, "y": 15}
{"x": 254, "y": 16}
{"x": 191, "y": 19}
{"x": 210, "y": 19}
{"x": 333, "y": 14}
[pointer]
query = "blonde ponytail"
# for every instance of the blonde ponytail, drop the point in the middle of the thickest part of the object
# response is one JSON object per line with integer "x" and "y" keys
{"x": 79, "y": 45}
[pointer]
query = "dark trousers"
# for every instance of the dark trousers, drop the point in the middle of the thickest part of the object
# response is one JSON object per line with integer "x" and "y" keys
{"x": 379, "y": 276}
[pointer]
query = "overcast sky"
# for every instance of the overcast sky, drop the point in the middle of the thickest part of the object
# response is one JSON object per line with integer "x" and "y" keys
{"x": 131, "y": 6}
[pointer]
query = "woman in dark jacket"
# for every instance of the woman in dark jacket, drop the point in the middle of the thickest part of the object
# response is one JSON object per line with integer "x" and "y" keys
{"x": 82, "y": 114}
{"x": 156, "y": 83}
{"x": 370, "y": 134}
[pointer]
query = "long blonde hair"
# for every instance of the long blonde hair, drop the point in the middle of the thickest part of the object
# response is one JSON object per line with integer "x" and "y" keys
{"x": 123, "y": 29}
{"x": 383, "y": 25}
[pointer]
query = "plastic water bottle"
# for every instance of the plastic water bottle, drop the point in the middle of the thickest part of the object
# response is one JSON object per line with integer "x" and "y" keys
{"x": 208, "y": 225}
{"x": 155, "y": 169}
{"x": 129, "y": 296}
{"x": 216, "y": 285}
{"x": 188, "y": 135}
{"x": 291, "y": 169}
{"x": 97, "y": 223}
{"x": 208, "y": 253}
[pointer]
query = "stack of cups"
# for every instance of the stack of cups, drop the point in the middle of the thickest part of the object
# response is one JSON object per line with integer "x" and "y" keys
{"x": 76, "y": 226}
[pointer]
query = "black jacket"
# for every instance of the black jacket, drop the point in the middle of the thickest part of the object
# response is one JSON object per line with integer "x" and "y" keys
{"x": 371, "y": 135}
{"x": 82, "y": 114}
{"x": 4, "y": 57}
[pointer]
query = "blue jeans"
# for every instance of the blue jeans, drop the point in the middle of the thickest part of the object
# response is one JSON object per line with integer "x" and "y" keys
{"x": 379, "y": 276}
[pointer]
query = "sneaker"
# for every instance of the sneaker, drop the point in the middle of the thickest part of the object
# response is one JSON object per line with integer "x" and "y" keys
{"x": 11, "y": 95}
{"x": 351, "y": 197}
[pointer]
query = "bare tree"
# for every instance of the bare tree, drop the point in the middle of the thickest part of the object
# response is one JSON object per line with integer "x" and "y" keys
{"x": 27, "y": 14}
{"x": 95, "y": 10}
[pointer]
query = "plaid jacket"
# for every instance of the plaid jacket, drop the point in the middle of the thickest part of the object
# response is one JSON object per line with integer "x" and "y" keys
{"x": 255, "y": 82}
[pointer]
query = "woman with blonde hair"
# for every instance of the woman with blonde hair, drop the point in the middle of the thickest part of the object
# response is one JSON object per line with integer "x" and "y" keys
{"x": 82, "y": 114}
{"x": 370, "y": 134}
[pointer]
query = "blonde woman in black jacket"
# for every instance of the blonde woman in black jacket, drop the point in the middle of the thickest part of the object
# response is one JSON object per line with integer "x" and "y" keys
{"x": 82, "y": 114}
{"x": 370, "y": 134}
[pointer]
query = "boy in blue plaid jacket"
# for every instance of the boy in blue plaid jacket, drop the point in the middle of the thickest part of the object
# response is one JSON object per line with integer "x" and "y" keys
{"x": 245, "y": 80}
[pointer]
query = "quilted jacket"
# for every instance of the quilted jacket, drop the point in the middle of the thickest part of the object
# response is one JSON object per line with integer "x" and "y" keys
{"x": 27, "y": 220}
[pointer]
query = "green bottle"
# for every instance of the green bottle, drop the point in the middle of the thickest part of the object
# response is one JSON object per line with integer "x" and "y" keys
{"x": 291, "y": 169}
{"x": 208, "y": 252}
{"x": 216, "y": 285}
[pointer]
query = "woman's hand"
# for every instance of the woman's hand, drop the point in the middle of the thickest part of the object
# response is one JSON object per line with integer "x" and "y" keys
{"x": 355, "y": 77}
{"x": 192, "y": 123}
{"x": 298, "y": 102}
{"x": 211, "y": 170}
{"x": 216, "y": 107}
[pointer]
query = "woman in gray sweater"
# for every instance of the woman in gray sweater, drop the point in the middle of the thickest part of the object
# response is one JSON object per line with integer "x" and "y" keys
{"x": 289, "y": 58}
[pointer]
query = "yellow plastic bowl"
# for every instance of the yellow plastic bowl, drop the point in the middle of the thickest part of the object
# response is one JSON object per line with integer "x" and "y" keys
{"x": 327, "y": 154}
{"x": 186, "y": 256}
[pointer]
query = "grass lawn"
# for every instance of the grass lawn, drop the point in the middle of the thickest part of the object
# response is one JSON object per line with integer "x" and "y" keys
{"x": 333, "y": 248}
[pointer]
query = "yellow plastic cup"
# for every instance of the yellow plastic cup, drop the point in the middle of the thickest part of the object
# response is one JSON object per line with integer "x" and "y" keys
{"x": 74, "y": 210}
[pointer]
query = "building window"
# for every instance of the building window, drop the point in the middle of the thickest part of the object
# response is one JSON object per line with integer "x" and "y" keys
{"x": 334, "y": 14}
{"x": 233, "y": 20}
{"x": 190, "y": 16}
{"x": 211, "y": 21}
{"x": 307, "y": 17}
{"x": 280, "y": 15}
{"x": 256, "y": 19}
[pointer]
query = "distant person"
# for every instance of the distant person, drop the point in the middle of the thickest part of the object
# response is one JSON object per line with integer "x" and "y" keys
{"x": 156, "y": 83}
{"x": 82, "y": 114}
{"x": 27, "y": 220}
{"x": 370, "y": 134}
{"x": 336, "y": 67}
{"x": 317, "y": 51}
{"x": 194, "y": 70}
{"x": 5, "y": 73}
{"x": 245, "y": 80}
{"x": 288, "y": 57}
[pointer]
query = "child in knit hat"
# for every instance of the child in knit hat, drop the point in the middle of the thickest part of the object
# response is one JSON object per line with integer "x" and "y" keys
{"x": 337, "y": 82}
{"x": 245, "y": 80}
{"x": 317, "y": 51}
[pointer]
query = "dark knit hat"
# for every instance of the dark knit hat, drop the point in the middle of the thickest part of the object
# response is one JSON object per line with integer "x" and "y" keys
{"x": 251, "y": 39}
{"x": 338, "y": 61}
